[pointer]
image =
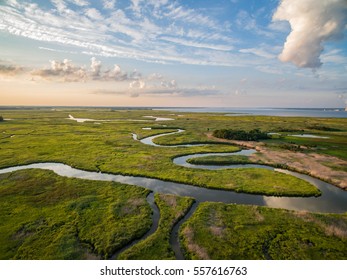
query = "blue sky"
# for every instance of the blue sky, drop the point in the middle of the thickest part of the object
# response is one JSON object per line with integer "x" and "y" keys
{"x": 235, "y": 53}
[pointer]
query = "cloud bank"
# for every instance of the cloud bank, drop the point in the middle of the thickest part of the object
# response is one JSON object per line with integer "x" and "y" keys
{"x": 313, "y": 23}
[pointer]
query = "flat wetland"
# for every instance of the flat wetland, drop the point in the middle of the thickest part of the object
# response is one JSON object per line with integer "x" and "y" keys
{"x": 46, "y": 216}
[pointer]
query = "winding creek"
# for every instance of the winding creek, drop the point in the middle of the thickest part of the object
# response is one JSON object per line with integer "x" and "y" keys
{"x": 332, "y": 200}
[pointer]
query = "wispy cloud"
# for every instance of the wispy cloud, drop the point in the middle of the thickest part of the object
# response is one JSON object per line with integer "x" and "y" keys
{"x": 334, "y": 56}
{"x": 157, "y": 91}
{"x": 259, "y": 52}
{"x": 194, "y": 44}
{"x": 248, "y": 22}
{"x": 138, "y": 31}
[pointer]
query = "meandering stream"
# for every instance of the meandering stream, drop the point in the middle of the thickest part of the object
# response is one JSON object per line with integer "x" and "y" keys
{"x": 332, "y": 200}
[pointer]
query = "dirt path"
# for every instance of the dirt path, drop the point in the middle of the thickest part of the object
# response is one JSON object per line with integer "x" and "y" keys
{"x": 314, "y": 164}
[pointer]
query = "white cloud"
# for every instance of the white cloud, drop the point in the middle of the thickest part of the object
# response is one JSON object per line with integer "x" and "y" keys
{"x": 13, "y": 3}
{"x": 60, "y": 5}
{"x": 185, "y": 35}
{"x": 67, "y": 71}
{"x": 64, "y": 71}
{"x": 155, "y": 76}
{"x": 80, "y": 3}
{"x": 334, "y": 56}
{"x": 57, "y": 50}
{"x": 258, "y": 52}
{"x": 177, "y": 12}
{"x": 115, "y": 74}
{"x": 194, "y": 44}
{"x": 136, "y": 6}
{"x": 93, "y": 14}
{"x": 95, "y": 67}
{"x": 313, "y": 23}
{"x": 138, "y": 84}
{"x": 169, "y": 84}
{"x": 109, "y": 4}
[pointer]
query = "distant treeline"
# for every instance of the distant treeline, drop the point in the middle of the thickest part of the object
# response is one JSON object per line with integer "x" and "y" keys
{"x": 230, "y": 134}
{"x": 1, "y": 118}
{"x": 322, "y": 127}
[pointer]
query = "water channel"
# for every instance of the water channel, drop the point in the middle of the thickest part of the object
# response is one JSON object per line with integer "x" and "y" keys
{"x": 332, "y": 200}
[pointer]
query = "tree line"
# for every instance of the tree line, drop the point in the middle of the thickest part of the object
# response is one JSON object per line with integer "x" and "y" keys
{"x": 1, "y": 118}
{"x": 231, "y": 134}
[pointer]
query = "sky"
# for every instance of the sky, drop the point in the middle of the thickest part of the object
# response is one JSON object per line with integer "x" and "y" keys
{"x": 172, "y": 53}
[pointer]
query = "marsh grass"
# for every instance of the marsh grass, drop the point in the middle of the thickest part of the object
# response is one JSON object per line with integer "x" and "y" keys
{"x": 157, "y": 246}
{"x": 45, "y": 216}
{"x": 220, "y": 160}
{"x": 220, "y": 231}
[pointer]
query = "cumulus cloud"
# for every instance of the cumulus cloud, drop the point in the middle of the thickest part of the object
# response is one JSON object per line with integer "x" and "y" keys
{"x": 139, "y": 84}
{"x": 63, "y": 70}
{"x": 115, "y": 74}
{"x": 66, "y": 71}
{"x": 312, "y": 24}
{"x": 95, "y": 67}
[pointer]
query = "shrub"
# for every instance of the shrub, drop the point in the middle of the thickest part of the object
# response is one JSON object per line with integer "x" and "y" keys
{"x": 253, "y": 135}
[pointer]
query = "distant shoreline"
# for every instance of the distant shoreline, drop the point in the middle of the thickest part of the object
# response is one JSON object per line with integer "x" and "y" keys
{"x": 233, "y": 111}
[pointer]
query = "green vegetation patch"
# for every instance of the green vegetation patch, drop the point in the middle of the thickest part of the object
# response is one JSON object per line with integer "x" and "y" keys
{"x": 156, "y": 246}
{"x": 220, "y": 231}
{"x": 231, "y": 134}
{"x": 45, "y": 216}
{"x": 219, "y": 160}
{"x": 322, "y": 127}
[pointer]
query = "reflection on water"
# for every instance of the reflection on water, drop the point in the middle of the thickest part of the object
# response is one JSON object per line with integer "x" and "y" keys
{"x": 149, "y": 140}
{"x": 182, "y": 161}
{"x": 309, "y": 136}
{"x": 333, "y": 200}
{"x": 159, "y": 118}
